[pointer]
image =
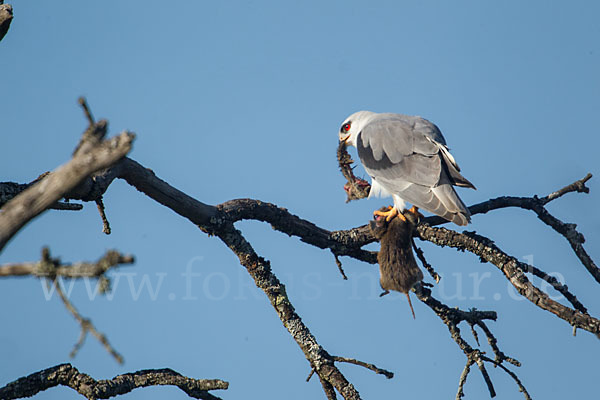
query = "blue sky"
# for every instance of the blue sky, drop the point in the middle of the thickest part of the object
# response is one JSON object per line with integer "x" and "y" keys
{"x": 245, "y": 99}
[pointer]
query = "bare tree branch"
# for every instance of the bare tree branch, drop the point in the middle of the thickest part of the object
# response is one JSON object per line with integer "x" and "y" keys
{"x": 513, "y": 269}
{"x": 513, "y": 376}
{"x": 52, "y": 268}
{"x": 372, "y": 367}
{"x": 8, "y": 190}
{"x": 536, "y": 204}
{"x": 260, "y": 270}
{"x": 92, "y": 155}
{"x": 105, "y": 223}
{"x": 67, "y": 375}
{"x": 451, "y": 317}
{"x": 42, "y": 269}
{"x": 426, "y": 265}
{"x": 86, "y": 326}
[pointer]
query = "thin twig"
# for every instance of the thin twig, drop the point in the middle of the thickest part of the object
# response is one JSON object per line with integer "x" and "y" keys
{"x": 463, "y": 379}
{"x": 105, "y": 224}
{"x": 86, "y": 110}
{"x": 493, "y": 342}
{"x": 372, "y": 367}
{"x": 86, "y": 326}
{"x": 486, "y": 377}
{"x": 577, "y": 186}
{"x": 451, "y": 317}
{"x": 50, "y": 264}
{"x": 511, "y": 374}
{"x": 473, "y": 331}
{"x": 339, "y": 265}
{"x": 556, "y": 285}
{"x": 426, "y": 265}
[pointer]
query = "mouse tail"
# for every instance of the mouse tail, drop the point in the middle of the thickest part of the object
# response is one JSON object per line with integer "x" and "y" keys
{"x": 411, "y": 307}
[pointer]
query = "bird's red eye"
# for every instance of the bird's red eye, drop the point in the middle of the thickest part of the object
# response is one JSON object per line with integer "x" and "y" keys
{"x": 346, "y": 127}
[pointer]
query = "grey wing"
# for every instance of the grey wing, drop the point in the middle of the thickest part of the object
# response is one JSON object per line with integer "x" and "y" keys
{"x": 410, "y": 163}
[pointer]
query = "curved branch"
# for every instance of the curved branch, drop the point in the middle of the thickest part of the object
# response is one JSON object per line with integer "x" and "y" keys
{"x": 340, "y": 242}
{"x": 513, "y": 269}
{"x": 67, "y": 375}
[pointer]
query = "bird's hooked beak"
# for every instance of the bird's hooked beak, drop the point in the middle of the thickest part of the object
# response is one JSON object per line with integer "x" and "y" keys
{"x": 344, "y": 137}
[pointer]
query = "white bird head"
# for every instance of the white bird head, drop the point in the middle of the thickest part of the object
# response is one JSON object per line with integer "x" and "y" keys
{"x": 353, "y": 125}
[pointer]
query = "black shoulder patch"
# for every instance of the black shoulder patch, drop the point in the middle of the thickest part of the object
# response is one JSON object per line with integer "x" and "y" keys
{"x": 366, "y": 156}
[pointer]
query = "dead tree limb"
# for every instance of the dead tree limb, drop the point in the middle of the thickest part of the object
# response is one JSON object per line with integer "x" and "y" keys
{"x": 52, "y": 268}
{"x": 8, "y": 190}
{"x": 41, "y": 269}
{"x": 514, "y": 271}
{"x": 93, "y": 154}
{"x": 86, "y": 326}
{"x": 67, "y": 375}
{"x": 451, "y": 317}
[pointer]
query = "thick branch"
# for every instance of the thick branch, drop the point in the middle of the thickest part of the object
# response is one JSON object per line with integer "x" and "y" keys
{"x": 260, "y": 270}
{"x": 513, "y": 269}
{"x": 144, "y": 180}
{"x": 67, "y": 375}
{"x": 340, "y": 242}
{"x": 91, "y": 156}
{"x": 8, "y": 190}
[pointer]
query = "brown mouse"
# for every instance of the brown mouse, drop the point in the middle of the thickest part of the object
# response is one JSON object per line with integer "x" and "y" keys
{"x": 398, "y": 268}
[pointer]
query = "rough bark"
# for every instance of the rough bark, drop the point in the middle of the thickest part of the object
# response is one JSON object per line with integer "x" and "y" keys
{"x": 92, "y": 155}
{"x": 67, "y": 375}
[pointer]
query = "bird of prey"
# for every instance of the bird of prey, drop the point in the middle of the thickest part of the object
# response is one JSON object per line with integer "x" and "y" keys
{"x": 407, "y": 158}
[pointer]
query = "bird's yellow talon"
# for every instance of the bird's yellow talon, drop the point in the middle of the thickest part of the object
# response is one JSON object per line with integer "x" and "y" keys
{"x": 415, "y": 211}
{"x": 389, "y": 214}
{"x": 402, "y": 217}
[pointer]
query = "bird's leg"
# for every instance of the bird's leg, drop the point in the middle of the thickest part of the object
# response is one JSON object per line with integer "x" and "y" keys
{"x": 390, "y": 213}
